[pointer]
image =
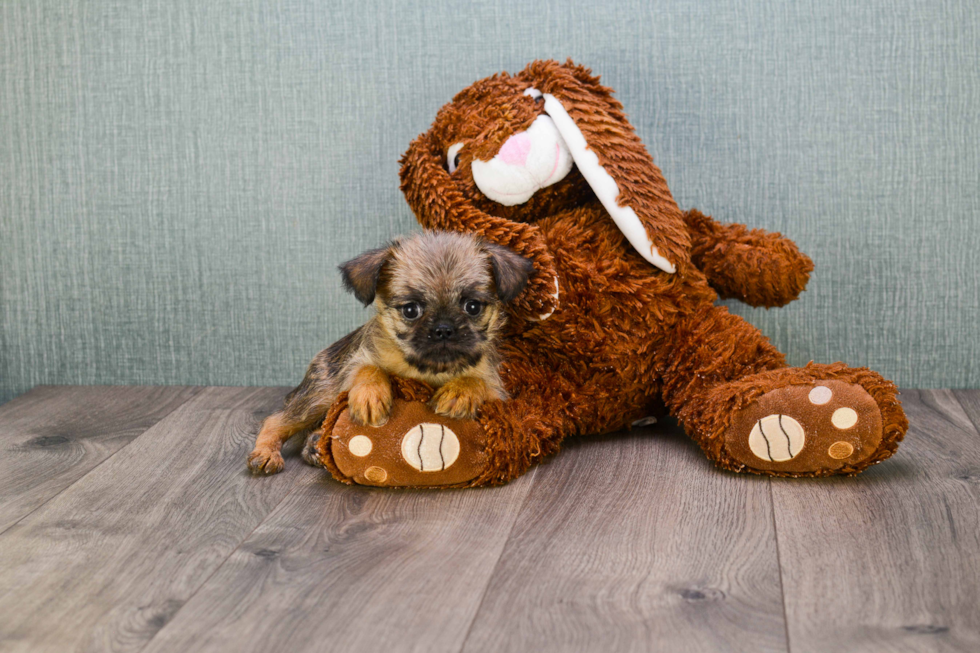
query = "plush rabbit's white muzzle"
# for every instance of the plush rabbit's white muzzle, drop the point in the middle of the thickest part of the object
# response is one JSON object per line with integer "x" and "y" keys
{"x": 527, "y": 162}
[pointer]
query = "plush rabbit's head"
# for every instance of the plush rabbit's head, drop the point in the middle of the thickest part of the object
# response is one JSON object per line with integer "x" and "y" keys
{"x": 510, "y": 150}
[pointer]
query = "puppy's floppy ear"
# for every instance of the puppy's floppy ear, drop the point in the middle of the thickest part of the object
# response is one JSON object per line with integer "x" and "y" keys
{"x": 361, "y": 273}
{"x": 439, "y": 204}
{"x": 511, "y": 271}
{"x": 613, "y": 160}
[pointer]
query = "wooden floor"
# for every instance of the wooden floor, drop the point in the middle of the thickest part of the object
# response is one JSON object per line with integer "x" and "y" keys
{"x": 129, "y": 523}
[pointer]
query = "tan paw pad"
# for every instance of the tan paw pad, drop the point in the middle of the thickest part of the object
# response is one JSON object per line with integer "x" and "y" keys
{"x": 430, "y": 447}
{"x": 777, "y": 438}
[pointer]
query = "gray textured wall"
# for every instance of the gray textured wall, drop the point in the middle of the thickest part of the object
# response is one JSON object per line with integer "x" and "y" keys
{"x": 179, "y": 179}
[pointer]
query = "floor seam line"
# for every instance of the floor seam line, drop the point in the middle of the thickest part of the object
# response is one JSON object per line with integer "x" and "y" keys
{"x": 496, "y": 564}
{"x": 218, "y": 568}
{"x": 779, "y": 564}
{"x": 952, "y": 393}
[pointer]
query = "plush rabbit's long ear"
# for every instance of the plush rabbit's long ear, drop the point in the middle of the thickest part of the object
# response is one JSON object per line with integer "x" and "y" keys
{"x": 438, "y": 204}
{"x": 612, "y": 159}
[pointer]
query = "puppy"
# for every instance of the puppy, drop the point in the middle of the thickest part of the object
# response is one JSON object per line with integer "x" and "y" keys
{"x": 438, "y": 299}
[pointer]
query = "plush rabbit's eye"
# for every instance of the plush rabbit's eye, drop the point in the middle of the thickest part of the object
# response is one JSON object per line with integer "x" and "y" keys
{"x": 452, "y": 157}
{"x": 534, "y": 93}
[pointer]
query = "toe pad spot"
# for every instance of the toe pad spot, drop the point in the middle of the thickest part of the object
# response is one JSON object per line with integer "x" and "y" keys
{"x": 844, "y": 418}
{"x": 840, "y": 450}
{"x": 375, "y": 474}
{"x": 820, "y": 395}
{"x": 360, "y": 445}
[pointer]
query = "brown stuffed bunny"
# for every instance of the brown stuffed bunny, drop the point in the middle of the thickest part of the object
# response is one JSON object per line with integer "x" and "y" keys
{"x": 620, "y": 313}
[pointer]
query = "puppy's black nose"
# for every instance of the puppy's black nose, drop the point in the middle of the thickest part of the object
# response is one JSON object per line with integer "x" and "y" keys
{"x": 442, "y": 331}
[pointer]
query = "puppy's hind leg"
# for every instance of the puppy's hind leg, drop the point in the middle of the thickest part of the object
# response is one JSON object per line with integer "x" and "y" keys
{"x": 304, "y": 409}
{"x": 309, "y": 453}
{"x": 266, "y": 457}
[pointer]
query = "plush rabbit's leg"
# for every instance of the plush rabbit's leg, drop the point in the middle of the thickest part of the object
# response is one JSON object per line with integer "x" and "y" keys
{"x": 749, "y": 412}
{"x": 520, "y": 432}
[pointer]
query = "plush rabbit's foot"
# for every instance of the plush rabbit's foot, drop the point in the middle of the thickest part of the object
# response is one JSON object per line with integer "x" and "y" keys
{"x": 802, "y": 428}
{"x": 416, "y": 447}
{"x": 817, "y": 428}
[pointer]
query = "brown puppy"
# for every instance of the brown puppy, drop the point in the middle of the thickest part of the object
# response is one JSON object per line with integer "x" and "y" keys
{"x": 439, "y": 309}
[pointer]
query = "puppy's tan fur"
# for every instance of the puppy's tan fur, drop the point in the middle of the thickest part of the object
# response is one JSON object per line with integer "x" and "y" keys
{"x": 442, "y": 274}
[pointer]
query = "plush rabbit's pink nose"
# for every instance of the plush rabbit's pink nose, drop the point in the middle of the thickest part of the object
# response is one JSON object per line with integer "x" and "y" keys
{"x": 514, "y": 152}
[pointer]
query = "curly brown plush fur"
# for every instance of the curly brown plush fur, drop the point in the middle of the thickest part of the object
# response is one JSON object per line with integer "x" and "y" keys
{"x": 624, "y": 334}
{"x": 751, "y": 265}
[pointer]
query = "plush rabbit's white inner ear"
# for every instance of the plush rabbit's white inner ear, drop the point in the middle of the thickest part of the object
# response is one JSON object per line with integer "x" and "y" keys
{"x": 602, "y": 183}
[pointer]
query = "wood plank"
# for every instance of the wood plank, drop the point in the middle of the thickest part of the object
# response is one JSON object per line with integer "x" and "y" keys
{"x": 889, "y": 560}
{"x": 969, "y": 401}
{"x": 634, "y": 542}
{"x": 354, "y": 569}
{"x": 106, "y": 563}
{"x": 54, "y": 435}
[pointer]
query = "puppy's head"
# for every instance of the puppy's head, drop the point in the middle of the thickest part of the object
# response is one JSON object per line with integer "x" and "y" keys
{"x": 439, "y": 296}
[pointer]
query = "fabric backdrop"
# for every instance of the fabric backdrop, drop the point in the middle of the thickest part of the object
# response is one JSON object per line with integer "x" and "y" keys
{"x": 179, "y": 179}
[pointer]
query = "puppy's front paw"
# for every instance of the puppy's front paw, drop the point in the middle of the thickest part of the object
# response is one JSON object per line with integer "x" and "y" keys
{"x": 461, "y": 398}
{"x": 369, "y": 403}
{"x": 265, "y": 461}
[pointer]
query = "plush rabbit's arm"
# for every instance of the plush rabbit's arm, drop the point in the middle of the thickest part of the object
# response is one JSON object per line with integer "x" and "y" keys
{"x": 755, "y": 266}
{"x": 438, "y": 204}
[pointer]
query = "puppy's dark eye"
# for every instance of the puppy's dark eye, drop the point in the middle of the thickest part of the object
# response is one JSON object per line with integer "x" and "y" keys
{"x": 539, "y": 99}
{"x": 411, "y": 311}
{"x": 472, "y": 307}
